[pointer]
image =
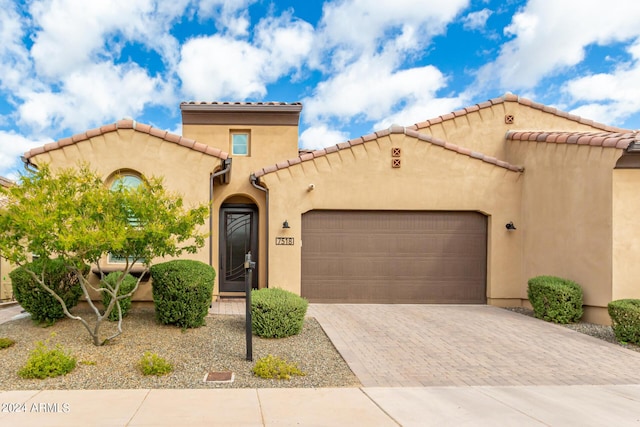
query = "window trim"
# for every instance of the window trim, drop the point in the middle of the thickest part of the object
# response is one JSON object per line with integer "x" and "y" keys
{"x": 235, "y": 132}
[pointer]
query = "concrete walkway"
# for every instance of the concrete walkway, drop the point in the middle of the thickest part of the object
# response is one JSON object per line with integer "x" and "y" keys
{"x": 397, "y": 352}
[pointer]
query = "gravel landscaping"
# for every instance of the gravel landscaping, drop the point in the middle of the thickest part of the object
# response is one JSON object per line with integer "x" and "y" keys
{"x": 602, "y": 332}
{"x": 218, "y": 346}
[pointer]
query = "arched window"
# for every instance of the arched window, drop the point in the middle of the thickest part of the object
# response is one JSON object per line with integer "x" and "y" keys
{"x": 127, "y": 180}
{"x": 124, "y": 181}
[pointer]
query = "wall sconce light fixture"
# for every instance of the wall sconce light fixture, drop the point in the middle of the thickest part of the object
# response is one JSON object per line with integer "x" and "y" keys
{"x": 311, "y": 187}
{"x": 510, "y": 226}
{"x": 285, "y": 224}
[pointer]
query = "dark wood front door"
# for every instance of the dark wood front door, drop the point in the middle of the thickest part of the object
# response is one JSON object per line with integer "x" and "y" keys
{"x": 239, "y": 235}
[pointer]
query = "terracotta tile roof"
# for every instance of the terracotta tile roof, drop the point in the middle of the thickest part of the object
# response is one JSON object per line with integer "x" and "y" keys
{"x": 509, "y": 97}
{"x": 128, "y": 124}
{"x": 620, "y": 140}
{"x": 240, "y": 103}
{"x": 306, "y": 156}
{"x": 5, "y": 182}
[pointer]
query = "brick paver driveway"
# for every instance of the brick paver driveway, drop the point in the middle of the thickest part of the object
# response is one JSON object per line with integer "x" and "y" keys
{"x": 442, "y": 345}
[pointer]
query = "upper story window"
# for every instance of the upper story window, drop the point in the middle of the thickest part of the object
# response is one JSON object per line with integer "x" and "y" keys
{"x": 240, "y": 143}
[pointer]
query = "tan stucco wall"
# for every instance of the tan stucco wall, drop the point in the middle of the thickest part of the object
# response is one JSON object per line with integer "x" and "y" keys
{"x": 431, "y": 178}
{"x": 268, "y": 145}
{"x": 6, "y": 290}
{"x": 567, "y": 217}
{"x": 184, "y": 171}
{"x": 626, "y": 234}
{"x": 484, "y": 130}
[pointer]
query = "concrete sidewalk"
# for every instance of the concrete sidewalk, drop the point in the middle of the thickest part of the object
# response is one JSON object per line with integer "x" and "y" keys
{"x": 485, "y": 405}
{"x": 426, "y": 406}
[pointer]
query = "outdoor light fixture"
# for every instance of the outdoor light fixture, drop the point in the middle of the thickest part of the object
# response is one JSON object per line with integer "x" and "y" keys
{"x": 510, "y": 226}
{"x": 285, "y": 224}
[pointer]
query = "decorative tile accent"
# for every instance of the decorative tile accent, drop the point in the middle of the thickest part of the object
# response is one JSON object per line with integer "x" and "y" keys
{"x": 509, "y": 119}
{"x": 396, "y": 163}
{"x": 396, "y": 152}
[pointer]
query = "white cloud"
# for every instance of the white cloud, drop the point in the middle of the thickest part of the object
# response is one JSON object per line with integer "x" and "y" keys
{"x": 421, "y": 109}
{"x": 360, "y": 26}
{"x": 221, "y": 67}
{"x": 92, "y": 96}
{"x": 217, "y": 67}
{"x": 371, "y": 89}
{"x": 551, "y": 36}
{"x": 609, "y": 97}
{"x": 13, "y": 146}
{"x": 319, "y": 136}
{"x": 14, "y": 57}
{"x": 476, "y": 20}
{"x": 72, "y": 34}
{"x": 288, "y": 42}
{"x": 231, "y": 16}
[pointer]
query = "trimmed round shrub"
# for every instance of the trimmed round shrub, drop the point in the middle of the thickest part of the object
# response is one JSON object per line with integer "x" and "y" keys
{"x": 127, "y": 285}
{"x": 276, "y": 313}
{"x": 182, "y": 291}
{"x": 42, "y": 306}
{"x": 625, "y": 320}
{"x": 555, "y": 299}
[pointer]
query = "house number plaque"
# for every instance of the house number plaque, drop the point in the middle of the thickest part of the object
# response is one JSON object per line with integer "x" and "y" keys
{"x": 284, "y": 241}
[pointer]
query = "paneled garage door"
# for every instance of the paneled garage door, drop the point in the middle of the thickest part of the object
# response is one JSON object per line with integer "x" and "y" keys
{"x": 394, "y": 257}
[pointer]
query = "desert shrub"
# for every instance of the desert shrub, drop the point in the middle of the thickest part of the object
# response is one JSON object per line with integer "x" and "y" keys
{"x": 6, "y": 343}
{"x": 276, "y": 313}
{"x": 182, "y": 291}
{"x": 152, "y": 364}
{"x": 126, "y": 286}
{"x": 625, "y": 319}
{"x": 555, "y": 299}
{"x": 274, "y": 367}
{"x": 42, "y": 306}
{"x": 46, "y": 362}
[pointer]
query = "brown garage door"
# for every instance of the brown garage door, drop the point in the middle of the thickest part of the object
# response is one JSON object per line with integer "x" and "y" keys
{"x": 394, "y": 257}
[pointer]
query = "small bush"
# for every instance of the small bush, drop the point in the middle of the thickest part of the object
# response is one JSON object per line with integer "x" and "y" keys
{"x": 555, "y": 299}
{"x": 274, "y": 367}
{"x": 182, "y": 291}
{"x": 6, "y": 343}
{"x": 45, "y": 362}
{"x": 42, "y": 306}
{"x": 152, "y": 364}
{"x": 625, "y": 320}
{"x": 127, "y": 285}
{"x": 276, "y": 313}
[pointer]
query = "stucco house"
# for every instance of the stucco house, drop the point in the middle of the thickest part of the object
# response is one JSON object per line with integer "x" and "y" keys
{"x": 462, "y": 208}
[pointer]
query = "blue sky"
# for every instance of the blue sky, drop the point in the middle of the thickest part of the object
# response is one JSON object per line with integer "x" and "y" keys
{"x": 356, "y": 65}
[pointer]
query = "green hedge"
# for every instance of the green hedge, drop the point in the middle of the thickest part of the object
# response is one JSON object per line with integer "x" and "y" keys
{"x": 182, "y": 291}
{"x": 625, "y": 319}
{"x": 555, "y": 299}
{"x": 126, "y": 286}
{"x": 276, "y": 313}
{"x": 42, "y": 306}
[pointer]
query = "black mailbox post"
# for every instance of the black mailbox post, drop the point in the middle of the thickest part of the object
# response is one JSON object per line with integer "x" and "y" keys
{"x": 248, "y": 272}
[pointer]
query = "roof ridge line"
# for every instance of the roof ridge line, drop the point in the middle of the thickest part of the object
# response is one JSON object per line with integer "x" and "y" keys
{"x": 510, "y": 97}
{"x": 393, "y": 129}
{"x": 135, "y": 126}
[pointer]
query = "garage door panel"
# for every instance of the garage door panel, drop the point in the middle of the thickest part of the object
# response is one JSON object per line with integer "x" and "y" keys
{"x": 394, "y": 257}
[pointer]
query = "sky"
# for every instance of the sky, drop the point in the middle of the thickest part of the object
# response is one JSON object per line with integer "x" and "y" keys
{"x": 357, "y": 66}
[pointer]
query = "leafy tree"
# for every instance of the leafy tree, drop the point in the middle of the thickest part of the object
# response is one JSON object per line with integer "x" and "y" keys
{"x": 72, "y": 215}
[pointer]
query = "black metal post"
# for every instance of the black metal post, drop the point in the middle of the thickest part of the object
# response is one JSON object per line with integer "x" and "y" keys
{"x": 248, "y": 273}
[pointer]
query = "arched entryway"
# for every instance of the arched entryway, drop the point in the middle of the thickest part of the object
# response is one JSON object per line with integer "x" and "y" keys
{"x": 238, "y": 235}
